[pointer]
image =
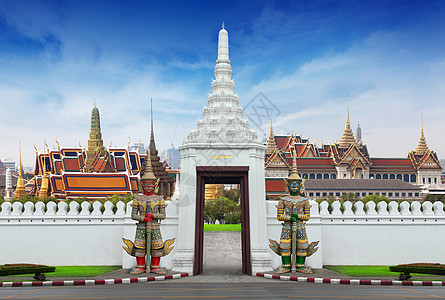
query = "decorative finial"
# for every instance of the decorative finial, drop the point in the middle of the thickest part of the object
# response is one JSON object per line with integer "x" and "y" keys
{"x": 422, "y": 123}
{"x": 223, "y": 25}
{"x": 94, "y": 103}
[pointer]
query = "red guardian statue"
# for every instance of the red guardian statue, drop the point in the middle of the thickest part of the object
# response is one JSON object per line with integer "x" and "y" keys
{"x": 148, "y": 209}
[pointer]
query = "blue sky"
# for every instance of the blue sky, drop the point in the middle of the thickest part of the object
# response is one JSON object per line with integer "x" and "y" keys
{"x": 56, "y": 57}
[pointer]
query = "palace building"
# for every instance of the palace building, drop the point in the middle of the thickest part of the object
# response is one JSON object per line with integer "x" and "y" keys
{"x": 96, "y": 172}
{"x": 348, "y": 159}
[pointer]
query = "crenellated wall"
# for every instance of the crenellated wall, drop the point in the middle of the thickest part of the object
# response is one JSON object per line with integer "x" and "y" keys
{"x": 349, "y": 234}
{"x": 58, "y": 234}
{"x": 370, "y": 234}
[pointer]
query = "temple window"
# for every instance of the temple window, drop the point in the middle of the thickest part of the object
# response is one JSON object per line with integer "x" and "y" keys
{"x": 389, "y": 194}
{"x": 392, "y": 176}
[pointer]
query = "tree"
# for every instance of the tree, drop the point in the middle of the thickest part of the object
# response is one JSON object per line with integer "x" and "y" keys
{"x": 433, "y": 198}
{"x": 374, "y": 198}
{"x": 232, "y": 194}
{"x": 218, "y": 209}
{"x": 349, "y": 197}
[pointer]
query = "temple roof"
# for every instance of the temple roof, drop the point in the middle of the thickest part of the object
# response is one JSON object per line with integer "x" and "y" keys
{"x": 347, "y": 138}
{"x": 422, "y": 147}
{"x": 271, "y": 145}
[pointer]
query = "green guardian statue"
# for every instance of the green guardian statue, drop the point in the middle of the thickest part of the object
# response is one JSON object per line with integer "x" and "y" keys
{"x": 293, "y": 211}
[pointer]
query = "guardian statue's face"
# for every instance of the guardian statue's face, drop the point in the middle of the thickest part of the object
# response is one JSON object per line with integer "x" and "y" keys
{"x": 148, "y": 186}
{"x": 294, "y": 187}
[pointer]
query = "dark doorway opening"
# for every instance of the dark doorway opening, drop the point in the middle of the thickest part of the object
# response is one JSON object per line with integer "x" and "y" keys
{"x": 226, "y": 175}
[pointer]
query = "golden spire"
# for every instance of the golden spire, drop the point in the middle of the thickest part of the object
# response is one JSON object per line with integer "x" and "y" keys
{"x": 148, "y": 169}
{"x": 347, "y": 138}
{"x": 294, "y": 171}
{"x": 223, "y": 25}
{"x": 44, "y": 188}
{"x": 422, "y": 147}
{"x": 20, "y": 189}
{"x": 271, "y": 146}
{"x": 95, "y": 142}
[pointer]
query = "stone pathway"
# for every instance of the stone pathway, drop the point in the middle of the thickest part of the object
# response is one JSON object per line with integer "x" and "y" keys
{"x": 222, "y": 253}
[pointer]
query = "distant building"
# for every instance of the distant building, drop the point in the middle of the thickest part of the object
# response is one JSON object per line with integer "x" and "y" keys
{"x": 95, "y": 172}
{"x": 8, "y": 163}
{"x": 138, "y": 147}
{"x": 172, "y": 157}
{"x": 347, "y": 159}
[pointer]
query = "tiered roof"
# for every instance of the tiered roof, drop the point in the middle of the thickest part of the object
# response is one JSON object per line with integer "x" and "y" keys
{"x": 347, "y": 138}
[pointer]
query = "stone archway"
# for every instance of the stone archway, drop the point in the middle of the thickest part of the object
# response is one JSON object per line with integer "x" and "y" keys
{"x": 227, "y": 175}
{"x": 222, "y": 141}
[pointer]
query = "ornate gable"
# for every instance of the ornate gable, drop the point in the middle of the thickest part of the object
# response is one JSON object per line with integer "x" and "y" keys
{"x": 276, "y": 160}
{"x": 353, "y": 153}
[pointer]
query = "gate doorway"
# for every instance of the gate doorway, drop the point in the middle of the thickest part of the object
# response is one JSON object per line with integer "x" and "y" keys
{"x": 222, "y": 175}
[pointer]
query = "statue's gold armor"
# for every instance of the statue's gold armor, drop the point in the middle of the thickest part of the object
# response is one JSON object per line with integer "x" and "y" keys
{"x": 142, "y": 206}
{"x": 286, "y": 207}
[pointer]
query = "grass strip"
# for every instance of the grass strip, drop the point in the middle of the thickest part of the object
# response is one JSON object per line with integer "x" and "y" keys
{"x": 222, "y": 227}
{"x": 78, "y": 271}
{"x": 369, "y": 271}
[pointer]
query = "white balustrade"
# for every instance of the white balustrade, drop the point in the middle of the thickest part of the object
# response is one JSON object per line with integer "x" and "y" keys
{"x": 39, "y": 209}
{"x": 85, "y": 208}
{"x": 393, "y": 208}
{"x": 358, "y": 207}
{"x": 370, "y": 208}
{"x": 324, "y": 208}
{"x": 108, "y": 208}
{"x": 415, "y": 208}
{"x": 347, "y": 208}
{"x": 97, "y": 208}
{"x": 6, "y": 209}
{"x": 405, "y": 208}
{"x": 382, "y": 208}
{"x": 51, "y": 209}
{"x": 74, "y": 208}
{"x": 28, "y": 209}
{"x": 17, "y": 209}
{"x": 427, "y": 208}
{"x": 336, "y": 208}
{"x": 62, "y": 209}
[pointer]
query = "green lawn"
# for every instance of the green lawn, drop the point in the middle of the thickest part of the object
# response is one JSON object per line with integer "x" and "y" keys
{"x": 222, "y": 227}
{"x": 77, "y": 271}
{"x": 369, "y": 271}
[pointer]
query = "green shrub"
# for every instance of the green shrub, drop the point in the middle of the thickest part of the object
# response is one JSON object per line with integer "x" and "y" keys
{"x": 233, "y": 218}
{"x": 16, "y": 269}
{"x": 423, "y": 268}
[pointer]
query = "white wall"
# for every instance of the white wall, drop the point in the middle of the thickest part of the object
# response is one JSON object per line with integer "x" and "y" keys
{"x": 62, "y": 236}
{"x": 364, "y": 235}
{"x": 372, "y": 234}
